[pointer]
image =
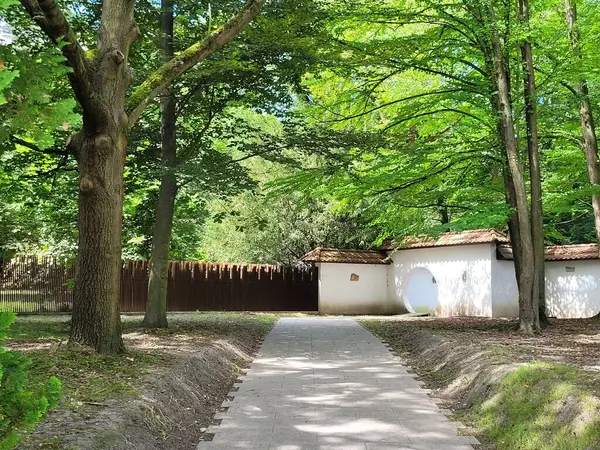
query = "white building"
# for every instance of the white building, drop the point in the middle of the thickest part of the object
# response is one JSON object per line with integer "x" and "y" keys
{"x": 459, "y": 274}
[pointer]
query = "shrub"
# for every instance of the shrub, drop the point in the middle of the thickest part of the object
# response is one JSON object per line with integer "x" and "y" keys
{"x": 20, "y": 407}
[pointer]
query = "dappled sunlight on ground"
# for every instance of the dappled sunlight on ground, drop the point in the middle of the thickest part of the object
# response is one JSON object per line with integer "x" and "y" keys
{"x": 172, "y": 342}
{"x": 326, "y": 383}
{"x": 567, "y": 341}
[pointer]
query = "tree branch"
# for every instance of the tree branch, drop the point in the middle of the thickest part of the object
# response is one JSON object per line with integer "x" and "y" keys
{"x": 187, "y": 59}
{"x": 35, "y": 148}
{"x": 563, "y": 83}
{"x": 430, "y": 113}
{"x": 433, "y": 205}
{"x": 393, "y": 102}
{"x": 403, "y": 66}
{"x": 416, "y": 180}
{"x": 54, "y": 24}
{"x": 436, "y": 72}
{"x": 59, "y": 168}
{"x": 252, "y": 155}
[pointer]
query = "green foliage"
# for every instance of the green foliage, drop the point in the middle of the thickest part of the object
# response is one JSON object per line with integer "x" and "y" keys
{"x": 6, "y": 79}
{"x": 37, "y": 180}
{"x": 380, "y": 111}
{"x": 418, "y": 73}
{"x": 276, "y": 223}
{"x": 228, "y": 110}
{"x": 33, "y": 103}
{"x": 256, "y": 228}
{"x": 20, "y": 407}
{"x": 540, "y": 407}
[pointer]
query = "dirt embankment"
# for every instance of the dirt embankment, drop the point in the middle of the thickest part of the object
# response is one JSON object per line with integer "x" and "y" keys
{"x": 170, "y": 409}
{"x": 458, "y": 373}
{"x": 512, "y": 391}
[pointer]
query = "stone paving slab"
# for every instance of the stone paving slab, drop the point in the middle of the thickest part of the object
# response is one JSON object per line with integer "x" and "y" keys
{"x": 328, "y": 383}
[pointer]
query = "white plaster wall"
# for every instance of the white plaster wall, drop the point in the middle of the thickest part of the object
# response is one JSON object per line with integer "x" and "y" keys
{"x": 573, "y": 294}
{"x": 569, "y": 295}
{"x": 395, "y": 300}
{"x": 339, "y": 295}
{"x": 470, "y": 296}
{"x": 505, "y": 295}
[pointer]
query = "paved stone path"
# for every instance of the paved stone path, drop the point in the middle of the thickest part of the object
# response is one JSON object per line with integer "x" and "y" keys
{"x": 328, "y": 383}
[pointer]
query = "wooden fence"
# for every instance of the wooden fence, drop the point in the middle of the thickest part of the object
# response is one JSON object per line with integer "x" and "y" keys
{"x": 32, "y": 285}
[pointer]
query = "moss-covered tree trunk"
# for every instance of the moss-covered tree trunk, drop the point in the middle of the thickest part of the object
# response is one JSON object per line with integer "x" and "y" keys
{"x": 100, "y": 149}
{"x": 100, "y": 85}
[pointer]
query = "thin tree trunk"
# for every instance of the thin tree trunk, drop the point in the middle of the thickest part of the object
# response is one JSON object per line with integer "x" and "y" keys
{"x": 533, "y": 151}
{"x": 100, "y": 150}
{"x": 156, "y": 306}
{"x": 590, "y": 148}
{"x": 513, "y": 221}
{"x": 528, "y": 309}
{"x": 444, "y": 213}
{"x": 590, "y": 141}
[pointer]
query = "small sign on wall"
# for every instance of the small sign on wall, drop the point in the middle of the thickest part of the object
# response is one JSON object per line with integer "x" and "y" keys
{"x": 570, "y": 269}
{"x": 353, "y": 277}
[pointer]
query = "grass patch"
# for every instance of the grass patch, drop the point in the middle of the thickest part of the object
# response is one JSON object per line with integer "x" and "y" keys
{"x": 88, "y": 377}
{"x": 209, "y": 325}
{"x": 91, "y": 378}
{"x": 99, "y": 391}
{"x": 39, "y": 328}
{"x": 497, "y": 382}
{"x": 541, "y": 406}
{"x": 20, "y": 306}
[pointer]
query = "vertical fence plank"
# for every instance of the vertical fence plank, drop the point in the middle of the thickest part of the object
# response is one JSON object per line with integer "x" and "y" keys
{"x": 30, "y": 284}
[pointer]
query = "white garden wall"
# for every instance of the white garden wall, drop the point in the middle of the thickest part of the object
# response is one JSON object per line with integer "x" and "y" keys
{"x": 505, "y": 296}
{"x": 367, "y": 294}
{"x": 459, "y": 280}
{"x": 462, "y": 274}
{"x": 395, "y": 300}
{"x": 572, "y": 289}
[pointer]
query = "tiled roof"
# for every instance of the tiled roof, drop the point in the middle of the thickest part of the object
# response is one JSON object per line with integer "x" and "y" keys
{"x": 334, "y": 255}
{"x": 557, "y": 252}
{"x": 485, "y": 236}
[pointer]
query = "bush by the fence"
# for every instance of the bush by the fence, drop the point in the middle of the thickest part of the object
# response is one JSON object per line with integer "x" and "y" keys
{"x": 20, "y": 408}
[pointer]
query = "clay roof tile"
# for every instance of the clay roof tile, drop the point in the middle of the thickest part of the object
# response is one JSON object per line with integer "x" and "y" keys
{"x": 484, "y": 236}
{"x": 334, "y": 255}
{"x": 557, "y": 252}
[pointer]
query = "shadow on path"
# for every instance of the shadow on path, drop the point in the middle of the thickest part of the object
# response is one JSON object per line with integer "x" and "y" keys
{"x": 327, "y": 383}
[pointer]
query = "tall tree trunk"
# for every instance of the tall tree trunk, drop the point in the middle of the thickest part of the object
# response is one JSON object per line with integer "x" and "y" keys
{"x": 528, "y": 307}
{"x": 100, "y": 150}
{"x": 156, "y": 307}
{"x": 100, "y": 83}
{"x": 533, "y": 151}
{"x": 590, "y": 142}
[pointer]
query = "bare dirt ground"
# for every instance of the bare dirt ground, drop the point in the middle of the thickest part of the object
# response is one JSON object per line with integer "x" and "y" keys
{"x": 463, "y": 361}
{"x": 574, "y": 342}
{"x": 161, "y": 394}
